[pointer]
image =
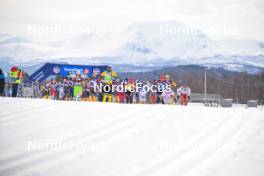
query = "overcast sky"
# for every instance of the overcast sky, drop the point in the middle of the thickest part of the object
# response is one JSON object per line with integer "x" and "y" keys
{"x": 246, "y": 16}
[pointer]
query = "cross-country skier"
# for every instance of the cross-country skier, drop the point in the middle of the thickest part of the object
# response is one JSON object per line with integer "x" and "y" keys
{"x": 161, "y": 87}
{"x": 184, "y": 93}
{"x": 70, "y": 89}
{"x": 92, "y": 88}
{"x": 129, "y": 87}
{"x": 54, "y": 89}
{"x": 61, "y": 91}
{"x": 167, "y": 96}
{"x": 153, "y": 93}
{"x": 121, "y": 93}
{"x": 65, "y": 88}
{"x": 108, "y": 76}
{"x": 142, "y": 96}
{"x": 85, "y": 90}
{"x": 77, "y": 88}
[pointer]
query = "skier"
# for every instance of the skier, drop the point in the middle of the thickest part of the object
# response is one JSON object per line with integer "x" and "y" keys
{"x": 167, "y": 96}
{"x": 129, "y": 87}
{"x": 121, "y": 94}
{"x": 92, "y": 87}
{"x": 85, "y": 90}
{"x": 70, "y": 89}
{"x": 142, "y": 96}
{"x": 65, "y": 88}
{"x": 99, "y": 93}
{"x": 108, "y": 76}
{"x": 115, "y": 95}
{"x": 153, "y": 93}
{"x": 54, "y": 89}
{"x": 160, "y": 86}
{"x": 184, "y": 93}
{"x": 48, "y": 90}
{"x": 77, "y": 88}
{"x": 61, "y": 91}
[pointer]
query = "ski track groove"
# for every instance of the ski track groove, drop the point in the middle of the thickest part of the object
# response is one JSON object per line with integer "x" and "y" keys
{"x": 30, "y": 112}
{"x": 169, "y": 156}
{"x": 47, "y": 113}
{"x": 28, "y": 131}
{"x": 23, "y": 115}
{"x": 156, "y": 118}
{"x": 6, "y": 101}
{"x": 52, "y": 155}
{"x": 177, "y": 156}
{"x": 16, "y": 109}
{"x": 148, "y": 158}
{"x": 206, "y": 155}
{"x": 69, "y": 139}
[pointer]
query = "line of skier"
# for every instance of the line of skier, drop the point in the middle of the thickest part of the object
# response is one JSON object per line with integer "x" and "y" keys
{"x": 77, "y": 88}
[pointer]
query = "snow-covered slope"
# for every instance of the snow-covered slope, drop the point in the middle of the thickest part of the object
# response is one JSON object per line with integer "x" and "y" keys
{"x": 43, "y": 137}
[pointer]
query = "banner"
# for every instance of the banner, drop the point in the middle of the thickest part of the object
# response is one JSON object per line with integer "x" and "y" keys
{"x": 86, "y": 71}
{"x": 65, "y": 70}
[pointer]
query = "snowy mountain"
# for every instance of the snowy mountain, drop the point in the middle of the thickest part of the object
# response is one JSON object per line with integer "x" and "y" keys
{"x": 148, "y": 44}
{"x": 152, "y": 38}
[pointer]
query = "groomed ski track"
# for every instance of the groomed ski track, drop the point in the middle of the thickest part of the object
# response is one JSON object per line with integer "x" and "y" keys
{"x": 129, "y": 140}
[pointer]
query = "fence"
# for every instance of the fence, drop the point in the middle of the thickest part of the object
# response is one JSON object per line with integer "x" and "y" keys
{"x": 208, "y": 99}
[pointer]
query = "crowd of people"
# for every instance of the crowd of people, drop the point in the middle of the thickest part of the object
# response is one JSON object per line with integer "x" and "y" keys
{"x": 108, "y": 87}
{"x": 88, "y": 89}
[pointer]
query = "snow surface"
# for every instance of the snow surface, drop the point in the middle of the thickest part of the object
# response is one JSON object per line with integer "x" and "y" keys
{"x": 129, "y": 140}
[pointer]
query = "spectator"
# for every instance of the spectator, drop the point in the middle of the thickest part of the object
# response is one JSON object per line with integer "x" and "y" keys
{"x": 2, "y": 83}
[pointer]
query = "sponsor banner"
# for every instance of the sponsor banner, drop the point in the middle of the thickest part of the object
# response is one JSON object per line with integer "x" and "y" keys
{"x": 64, "y": 70}
{"x": 67, "y": 70}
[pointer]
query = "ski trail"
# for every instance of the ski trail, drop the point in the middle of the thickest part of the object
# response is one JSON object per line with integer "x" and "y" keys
{"x": 123, "y": 132}
{"x": 22, "y": 132}
{"x": 240, "y": 126}
{"x": 9, "y": 168}
{"x": 10, "y": 101}
{"x": 86, "y": 133}
{"x": 157, "y": 162}
{"x": 148, "y": 159}
{"x": 16, "y": 109}
{"x": 25, "y": 115}
{"x": 190, "y": 159}
{"x": 111, "y": 138}
{"x": 48, "y": 114}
